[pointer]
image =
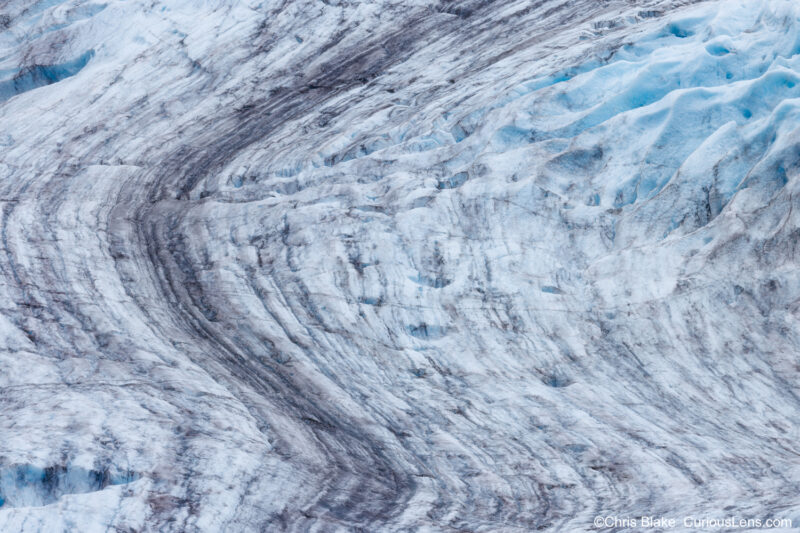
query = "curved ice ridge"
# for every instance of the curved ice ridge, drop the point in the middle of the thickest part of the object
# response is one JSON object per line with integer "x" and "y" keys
{"x": 397, "y": 266}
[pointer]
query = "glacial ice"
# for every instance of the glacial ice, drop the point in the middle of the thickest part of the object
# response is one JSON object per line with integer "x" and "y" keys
{"x": 28, "y": 485}
{"x": 39, "y": 75}
{"x": 397, "y": 266}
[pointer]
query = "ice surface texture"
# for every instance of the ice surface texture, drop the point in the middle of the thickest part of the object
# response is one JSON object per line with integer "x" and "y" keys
{"x": 391, "y": 265}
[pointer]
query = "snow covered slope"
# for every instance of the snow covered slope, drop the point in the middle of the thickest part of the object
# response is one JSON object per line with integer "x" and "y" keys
{"x": 418, "y": 265}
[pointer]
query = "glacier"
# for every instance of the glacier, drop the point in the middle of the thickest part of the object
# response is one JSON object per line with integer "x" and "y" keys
{"x": 420, "y": 265}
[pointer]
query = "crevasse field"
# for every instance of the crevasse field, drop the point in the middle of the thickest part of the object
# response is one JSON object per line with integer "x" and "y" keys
{"x": 399, "y": 265}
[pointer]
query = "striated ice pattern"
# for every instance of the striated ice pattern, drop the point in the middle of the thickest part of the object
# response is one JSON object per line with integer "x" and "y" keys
{"x": 418, "y": 265}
